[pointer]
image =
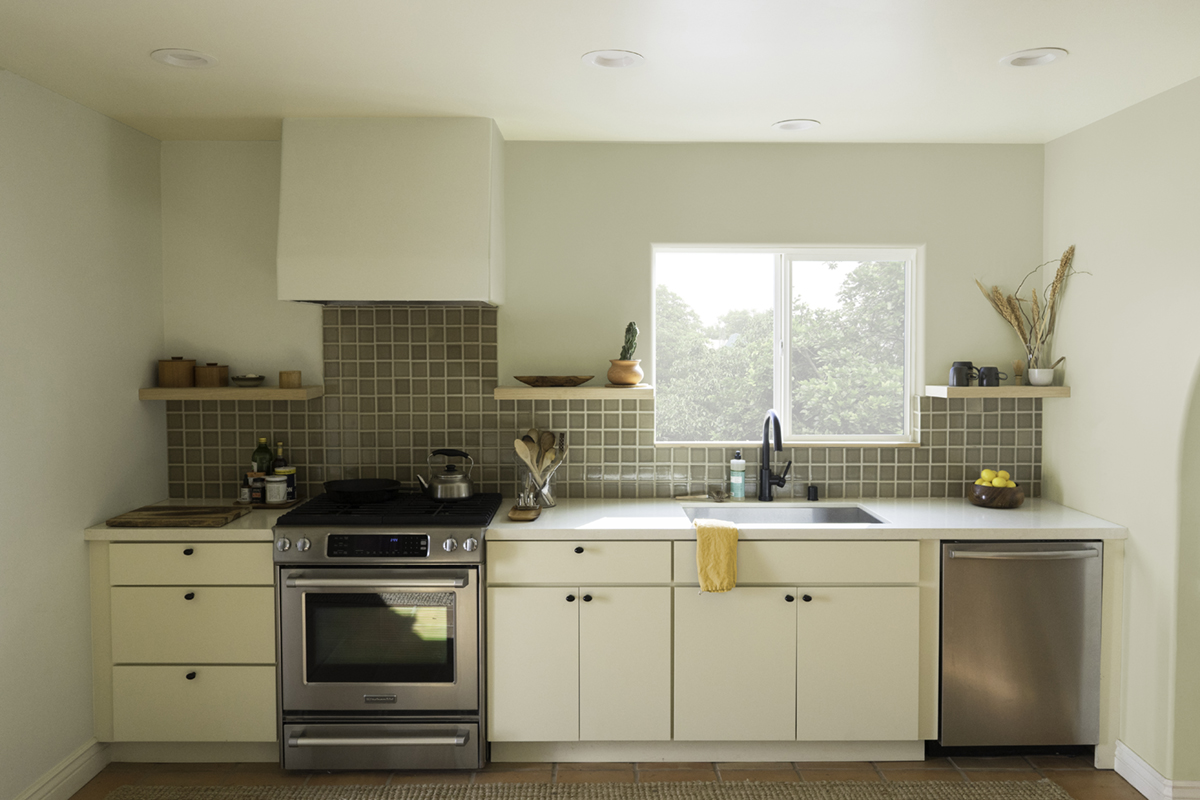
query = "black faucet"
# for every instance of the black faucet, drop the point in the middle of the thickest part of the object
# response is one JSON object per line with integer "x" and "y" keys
{"x": 766, "y": 479}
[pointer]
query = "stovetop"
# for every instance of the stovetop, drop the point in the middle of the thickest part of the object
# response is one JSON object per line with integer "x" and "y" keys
{"x": 406, "y": 509}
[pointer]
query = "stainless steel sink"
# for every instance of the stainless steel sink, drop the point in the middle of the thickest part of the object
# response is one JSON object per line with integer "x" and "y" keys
{"x": 766, "y": 514}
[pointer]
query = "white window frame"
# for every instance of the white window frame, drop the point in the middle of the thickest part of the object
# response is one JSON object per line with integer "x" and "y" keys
{"x": 913, "y": 255}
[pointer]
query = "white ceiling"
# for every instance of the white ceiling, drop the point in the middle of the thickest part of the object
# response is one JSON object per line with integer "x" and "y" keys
{"x": 715, "y": 70}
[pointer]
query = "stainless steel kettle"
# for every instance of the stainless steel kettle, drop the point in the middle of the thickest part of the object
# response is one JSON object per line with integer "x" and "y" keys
{"x": 450, "y": 483}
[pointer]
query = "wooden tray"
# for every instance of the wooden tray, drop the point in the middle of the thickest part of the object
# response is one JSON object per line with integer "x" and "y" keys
{"x": 177, "y": 517}
{"x": 518, "y": 514}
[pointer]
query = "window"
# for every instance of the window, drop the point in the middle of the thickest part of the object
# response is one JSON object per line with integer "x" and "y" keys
{"x": 822, "y": 335}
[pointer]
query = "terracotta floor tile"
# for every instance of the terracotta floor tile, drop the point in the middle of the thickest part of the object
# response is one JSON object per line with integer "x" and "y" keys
{"x": 762, "y": 775}
{"x": 594, "y": 776}
{"x": 181, "y": 778}
{"x": 997, "y": 762}
{"x": 693, "y": 765}
{"x": 365, "y": 778}
{"x": 516, "y": 766}
{"x": 1063, "y": 762}
{"x": 422, "y": 776}
{"x": 675, "y": 775}
{"x": 742, "y": 765}
{"x": 1094, "y": 785}
{"x": 981, "y": 775}
{"x": 948, "y": 775}
{"x": 519, "y": 776}
{"x": 929, "y": 763}
{"x": 810, "y": 775}
{"x": 833, "y": 765}
{"x": 595, "y": 766}
{"x": 99, "y": 787}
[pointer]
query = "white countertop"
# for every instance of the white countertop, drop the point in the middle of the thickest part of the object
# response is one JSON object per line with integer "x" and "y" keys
{"x": 575, "y": 518}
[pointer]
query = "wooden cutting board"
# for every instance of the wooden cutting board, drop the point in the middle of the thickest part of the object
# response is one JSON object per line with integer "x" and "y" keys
{"x": 177, "y": 517}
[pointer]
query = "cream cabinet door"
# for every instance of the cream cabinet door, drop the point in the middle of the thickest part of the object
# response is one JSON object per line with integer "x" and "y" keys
{"x": 193, "y": 704}
{"x": 735, "y": 665}
{"x": 533, "y": 664}
{"x": 202, "y": 625}
{"x": 858, "y": 663}
{"x": 625, "y": 663}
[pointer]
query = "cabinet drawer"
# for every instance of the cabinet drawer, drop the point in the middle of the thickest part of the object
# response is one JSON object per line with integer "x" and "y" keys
{"x": 813, "y": 562}
{"x": 211, "y": 563}
{"x": 219, "y": 704}
{"x": 219, "y": 625}
{"x": 597, "y": 562}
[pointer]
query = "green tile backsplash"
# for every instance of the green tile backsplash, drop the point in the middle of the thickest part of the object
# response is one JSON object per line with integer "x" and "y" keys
{"x": 401, "y": 381}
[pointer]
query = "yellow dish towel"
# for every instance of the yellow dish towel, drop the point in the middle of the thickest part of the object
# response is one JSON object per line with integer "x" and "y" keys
{"x": 716, "y": 554}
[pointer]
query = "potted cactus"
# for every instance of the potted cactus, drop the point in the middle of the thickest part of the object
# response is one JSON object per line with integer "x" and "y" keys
{"x": 625, "y": 370}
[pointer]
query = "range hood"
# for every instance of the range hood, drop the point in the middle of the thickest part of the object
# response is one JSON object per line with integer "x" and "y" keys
{"x": 395, "y": 210}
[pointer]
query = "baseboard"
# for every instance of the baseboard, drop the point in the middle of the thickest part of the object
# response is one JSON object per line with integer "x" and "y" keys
{"x": 1147, "y": 780}
{"x": 69, "y": 775}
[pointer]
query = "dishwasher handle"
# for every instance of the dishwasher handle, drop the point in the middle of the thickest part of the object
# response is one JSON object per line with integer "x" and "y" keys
{"x": 1025, "y": 555}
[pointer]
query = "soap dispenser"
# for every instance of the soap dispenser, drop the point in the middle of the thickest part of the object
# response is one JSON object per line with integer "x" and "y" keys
{"x": 737, "y": 476}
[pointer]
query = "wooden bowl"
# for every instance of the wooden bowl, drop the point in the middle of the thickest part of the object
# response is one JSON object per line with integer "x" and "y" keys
{"x": 553, "y": 380}
{"x": 995, "y": 496}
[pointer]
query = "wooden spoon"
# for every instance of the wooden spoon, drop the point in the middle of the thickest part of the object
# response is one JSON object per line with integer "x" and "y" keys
{"x": 545, "y": 449}
{"x": 524, "y": 452}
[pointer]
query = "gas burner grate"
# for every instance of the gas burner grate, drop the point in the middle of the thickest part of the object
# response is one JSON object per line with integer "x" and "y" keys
{"x": 406, "y": 509}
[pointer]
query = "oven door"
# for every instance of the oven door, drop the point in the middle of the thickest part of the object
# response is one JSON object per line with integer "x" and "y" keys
{"x": 379, "y": 640}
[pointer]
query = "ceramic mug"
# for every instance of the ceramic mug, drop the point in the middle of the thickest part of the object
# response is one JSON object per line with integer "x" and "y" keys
{"x": 1040, "y": 377}
{"x": 991, "y": 376}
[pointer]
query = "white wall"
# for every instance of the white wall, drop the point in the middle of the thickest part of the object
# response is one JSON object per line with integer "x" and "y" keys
{"x": 1126, "y": 191}
{"x": 80, "y": 330}
{"x": 581, "y": 219}
{"x": 220, "y": 209}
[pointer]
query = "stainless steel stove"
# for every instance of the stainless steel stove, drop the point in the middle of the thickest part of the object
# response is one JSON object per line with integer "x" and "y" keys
{"x": 379, "y": 642}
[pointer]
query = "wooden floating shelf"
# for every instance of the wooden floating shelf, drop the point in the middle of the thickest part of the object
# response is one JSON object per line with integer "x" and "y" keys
{"x": 997, "y": 391}
{"x": 642, "y": 391}
{"x": 230, "y": 393}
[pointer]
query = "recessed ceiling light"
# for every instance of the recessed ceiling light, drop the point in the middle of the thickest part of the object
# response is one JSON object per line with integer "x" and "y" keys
{"x": 188, "y": 59}
{"x": 795, "y": 124}
{"x": 613, "y": 59}
{"x": 1035, "y": 57}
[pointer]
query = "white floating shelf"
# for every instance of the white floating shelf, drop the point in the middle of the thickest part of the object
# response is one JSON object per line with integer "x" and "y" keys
{"x": 997, "y": 391}
{"x": 642, "y": 391}
{"x": 230, "y": 393}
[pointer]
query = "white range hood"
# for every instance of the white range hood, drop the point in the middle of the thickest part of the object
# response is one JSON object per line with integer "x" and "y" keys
{"x": 393, "y": 210}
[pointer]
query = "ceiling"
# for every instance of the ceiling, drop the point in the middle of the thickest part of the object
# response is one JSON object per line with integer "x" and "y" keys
{"x": 715, "y": 70}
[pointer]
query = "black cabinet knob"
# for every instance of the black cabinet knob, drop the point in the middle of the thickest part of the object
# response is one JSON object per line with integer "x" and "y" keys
{"x": 578, "y": 549}
{"x": 191, "y": 676}
{"x": 789, "y": 598}
{"x": 187, "y": 551}
{"x": 190, "y": 596}
{"x": 570, "y": 598}
{"x": 587, "y": 598}
{"x": 807, "y": 598}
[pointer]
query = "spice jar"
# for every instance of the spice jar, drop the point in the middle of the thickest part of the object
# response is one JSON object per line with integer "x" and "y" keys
{"x": 290, "y": 474}
{"x": 276, "y": 489}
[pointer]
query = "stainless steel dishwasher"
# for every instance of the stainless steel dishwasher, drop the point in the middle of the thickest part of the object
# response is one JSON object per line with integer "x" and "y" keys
{"x": 1020, "y": 643}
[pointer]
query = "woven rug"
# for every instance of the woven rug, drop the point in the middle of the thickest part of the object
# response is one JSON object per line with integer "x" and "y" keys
{"x": 706, "y": 790}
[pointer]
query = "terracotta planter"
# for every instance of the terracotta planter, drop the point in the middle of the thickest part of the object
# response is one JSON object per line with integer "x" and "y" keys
{"x": 625, "y": 373}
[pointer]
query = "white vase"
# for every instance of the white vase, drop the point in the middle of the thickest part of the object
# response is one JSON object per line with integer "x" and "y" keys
{"x": 1040, "y": 377}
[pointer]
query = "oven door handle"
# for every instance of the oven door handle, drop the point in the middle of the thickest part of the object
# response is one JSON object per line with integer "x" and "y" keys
{"x": 459, "y": 739}
{"x": 374, "y": 583}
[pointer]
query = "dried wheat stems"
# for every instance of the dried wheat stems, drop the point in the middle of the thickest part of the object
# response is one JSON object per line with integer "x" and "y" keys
{"x": 1032, "y": 320}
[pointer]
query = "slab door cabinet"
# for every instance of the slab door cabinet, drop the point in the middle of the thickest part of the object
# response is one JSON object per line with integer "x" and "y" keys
{"x": 574, "y": 655}
{"x": 183, "y": 640}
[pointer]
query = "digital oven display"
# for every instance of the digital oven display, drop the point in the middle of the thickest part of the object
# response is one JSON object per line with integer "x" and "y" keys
{"x": 377, "y": 545}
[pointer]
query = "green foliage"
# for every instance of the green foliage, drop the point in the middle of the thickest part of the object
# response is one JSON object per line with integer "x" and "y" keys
{"x": 715, "y": 383}
{"x": 631, "y": 334}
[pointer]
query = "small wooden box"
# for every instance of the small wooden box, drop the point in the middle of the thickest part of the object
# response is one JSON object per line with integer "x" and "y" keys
{"x": 212, "y": 374}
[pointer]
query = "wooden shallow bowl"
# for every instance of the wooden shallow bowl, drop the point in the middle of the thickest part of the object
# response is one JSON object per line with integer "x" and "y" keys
{"x": 995, "y": 496}
{"x": 553, "y": 380}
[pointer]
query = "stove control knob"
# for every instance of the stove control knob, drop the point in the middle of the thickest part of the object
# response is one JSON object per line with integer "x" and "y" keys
{"x": 449, "y": 545}
{"x": 303, "y": 544}
{"x": 283, "y": 544}
{"x": 471, "y": 545}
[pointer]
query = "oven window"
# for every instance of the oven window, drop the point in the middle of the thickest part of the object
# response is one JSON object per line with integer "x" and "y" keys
{"x": 400, "y": 637}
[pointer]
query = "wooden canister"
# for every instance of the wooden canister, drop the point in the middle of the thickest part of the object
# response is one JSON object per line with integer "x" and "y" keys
{"x": 177, "y": 372}
{"x": 289, "y": 379}
{"x": 212, "y": 374}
